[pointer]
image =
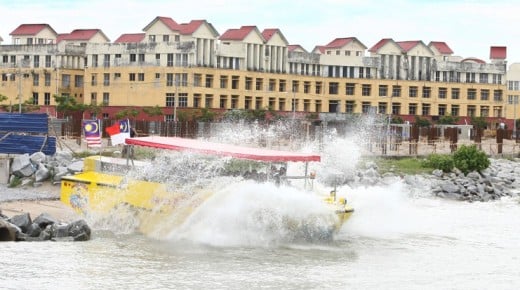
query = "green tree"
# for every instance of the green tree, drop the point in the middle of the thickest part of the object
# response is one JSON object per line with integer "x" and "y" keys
{"x": 479, "y": 122}
{"x": 153, "y": 111}
{"x": 422, "y": 122}
{"x": 470, "y": 158}
{"x": 66, "y": 104}
{"x": 448, "y": 120}
{"x": 397, "y": 120}
{"x": 206, "y": 115}
{"x": 127, "y": 113}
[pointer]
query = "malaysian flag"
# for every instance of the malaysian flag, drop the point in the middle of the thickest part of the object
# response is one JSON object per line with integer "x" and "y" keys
{"x": 92, "y": 133}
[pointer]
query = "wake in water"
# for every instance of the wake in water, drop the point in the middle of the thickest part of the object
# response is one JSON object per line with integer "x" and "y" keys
{"x": 247, "y": 213}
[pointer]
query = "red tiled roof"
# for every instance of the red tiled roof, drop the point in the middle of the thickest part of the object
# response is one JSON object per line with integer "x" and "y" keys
{"x": 79, "y": 34}
{"x": 168, "y": 22}
{"x": 407, "y": 45}
{"x": 130, "y": 38}
{"x": 269, "y": 32}
{"x": 293, "y": 47}
{"x": 61, "y": 37}
{"x": 237, "y": 34}
{"x": 441, "y": 46}
{"x": 498, "y": 52}
{"x": 189, "y": 28}
{"x": 320, "y": 48}
{"x": 30, "y": 29}
{"x": 473, "y": 59}
{"x": 379, "y": 44}
{"x": 339, "y": 42}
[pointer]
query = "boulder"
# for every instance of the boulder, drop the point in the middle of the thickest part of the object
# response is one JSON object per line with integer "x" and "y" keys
{"x": 79, "y": 230}
{"x": 44, "y": 220}
{"x": 7, "y": 231}
{"x": 23, "y": 221}
{"x": 75, "y": 167}
{"x": 34, "y": 230}
{"x": 37, "y": 157}
{"x": 42, "y": 173}
{"x": 63, "y": 158}
{"x": 22, "y": 166}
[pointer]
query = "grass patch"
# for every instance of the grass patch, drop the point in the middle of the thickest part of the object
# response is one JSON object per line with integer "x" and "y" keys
{"x": 405, "y": 165}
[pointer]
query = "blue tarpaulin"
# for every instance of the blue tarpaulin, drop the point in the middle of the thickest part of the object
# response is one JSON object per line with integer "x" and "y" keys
{"x": 25, "y": 133}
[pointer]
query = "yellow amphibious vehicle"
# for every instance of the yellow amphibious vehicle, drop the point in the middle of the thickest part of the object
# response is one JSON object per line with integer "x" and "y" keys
{"x": 100, "y": 188}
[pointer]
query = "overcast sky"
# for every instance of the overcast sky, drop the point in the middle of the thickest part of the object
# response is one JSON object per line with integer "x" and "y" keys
{"x": 469, "y": 27}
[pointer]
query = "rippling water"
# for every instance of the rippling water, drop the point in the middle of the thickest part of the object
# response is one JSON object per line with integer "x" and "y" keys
{"x": 395, "y": 240}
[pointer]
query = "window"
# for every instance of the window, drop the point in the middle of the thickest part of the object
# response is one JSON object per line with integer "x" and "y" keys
{"x": 165, "y": 38}
{"x": 140, "y": 77}
{"x": 383, "y": 90}
{"x": 78, "y": 81}
{"x": 483, "y": 78}
{"x": 442, "y": 109}
{"x": 177, "y": 38}
{"x": 259, "y": 84}
{"x": 249, "y": 83}
{"x": 94, "y": 60}
{"x": 381, "y": 108}
{"x": 513, "y": 85}
{"x": 169, "y": 80}
{"x": 472, "y": 94}
{"x": 443, "y": 93}
{"x": 306, "y": 87}
{"x": 412, "y": 109}
{"x": 36, "y": 61}
{"x": 106, "y": 99}
{"x": 484, "y": 95}
{"x": 235, "y": 80}
{"x": 196, "y": 100}
{"x": 223, "y": 82}
{"x": 223, "y": 102}
{"x": 333, "y": 88}
{"x": 133, "y": 57}
{"x": 131, "y": 77}
{"x": 181, "y": 79}
{"x": 47, "y": 99}
{"x": 396, "y": 108}
{"x": 497, "y": 95}
{"x": 183, "y": 100}
{"x": 282, "y": 86}
{"x": 170, "y": 100}
{"x": 106, "y": 79}
{"x": 36, "y": 79}
{"x": 455, "y": 93}
{"x": 349, "y": 108}
{"x": 141, "y": 58}
{"x": 426, "y": 92}
{"x": 48, "y": 62}
{"x": 365, "y": 107}
{"x": 425, "y": 109}
{"x": 169, "y": 59}
{"x": 47, "y": 79}
{"x": 93, "y": 98}
{"x": 455, "y": 110}
{"x": 396, "y": 91}
{"x": 350, "y": 89}
{"x": 272, "y": 85}
{"x": 209, "y": 81}
{"x": 106, "y": 60}
{"x": 412, "y": 92}
{"x": 472, "y": 111}
{"x": 117, "y": 76}
{"x": 484, "y": 111}
{"x": 35, "y": 98}
{"x": 365, "y": 90}
{"x": 65, "y": 81}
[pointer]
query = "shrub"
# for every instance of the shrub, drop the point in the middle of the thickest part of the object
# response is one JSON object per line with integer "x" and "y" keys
{"x": 469, "y": 158}
{"x": 439, "y": 161}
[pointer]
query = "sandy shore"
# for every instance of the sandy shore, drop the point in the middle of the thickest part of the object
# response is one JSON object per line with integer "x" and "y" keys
{"x": 35, "y": 200}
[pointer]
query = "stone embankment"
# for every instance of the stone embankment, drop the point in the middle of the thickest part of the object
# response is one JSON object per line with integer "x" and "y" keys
{"x": 497, "y": 181}
{"x": 42, "y": 228}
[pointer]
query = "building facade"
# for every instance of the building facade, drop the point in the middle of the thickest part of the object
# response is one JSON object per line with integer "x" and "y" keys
{"x": 190, "y": 65}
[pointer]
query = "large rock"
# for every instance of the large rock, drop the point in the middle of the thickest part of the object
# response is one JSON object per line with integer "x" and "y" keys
{"x": 23, "y": 221}
{"x": 37, "y": 157}
{"x": 75, "y": 167}
{"x": 63, "y": 158}
{"x": 7, "y": 231}
{"x": 22, "y": 166}
{"x": 42, "y": 173}
{"x": 44, "y": 219}
{"x": 79, "y": 230}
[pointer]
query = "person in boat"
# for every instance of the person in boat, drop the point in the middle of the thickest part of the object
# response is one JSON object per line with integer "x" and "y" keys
{"x": 129, "y": 149}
